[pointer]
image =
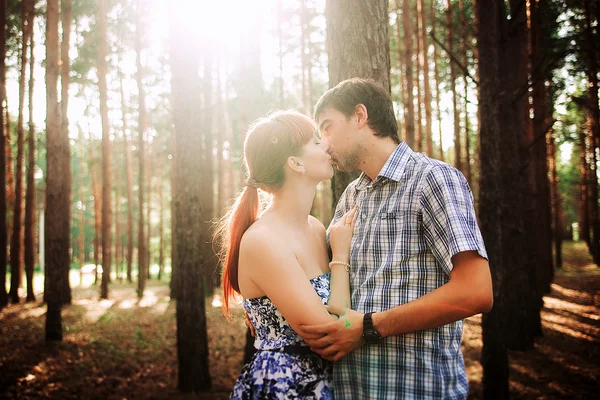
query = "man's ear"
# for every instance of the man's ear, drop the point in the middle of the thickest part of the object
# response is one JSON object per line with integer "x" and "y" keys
{"x": 296, "y": 165}
{"x": 362, "y": 115}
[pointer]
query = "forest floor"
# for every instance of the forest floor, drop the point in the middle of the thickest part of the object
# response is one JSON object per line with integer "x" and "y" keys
{"x": 123, "y": 348}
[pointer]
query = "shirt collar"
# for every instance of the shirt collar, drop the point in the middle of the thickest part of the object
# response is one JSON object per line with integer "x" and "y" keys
{"x": 393, "y": 168}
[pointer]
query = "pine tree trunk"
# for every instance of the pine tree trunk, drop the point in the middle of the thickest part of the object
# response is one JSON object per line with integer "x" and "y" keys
{"x": 426, "y": 80}
{"x": 82, "y": 257}
{"x": 209, "y": 262}
{"x": 66, "y": 13}
{"x": 106, "y": 175}
{"x": 494, "y": 355}
{"x": 437, "y": 81}
{"x": 409, "y": 107}
{"x": 57, "y": 201}
{"x": 357, "y": 40}
{"x": 558, "y": 228}
{"x": 142, "y": 274}
{"x": 117, "y": 220}
{"x": 10, "y": 175}
{"x": 129, "y": 183}
{"x": 593, "y": 125}
{"x": 450, "y": 45}
{"x": 464, "y": 38}
{"x": 3, "y": 145}
{"x": 149, "y": 155}
{"x": 418, "y": 66}
{"x": 192, "y": 341}
{"x": 97, "y": 191}
{"x": 16, "y": 242}
{"x": 30, "y": 200}
{"x": 401, "y": 77}
{"x": 584, "y": 216}
{"x": 161, "y": 230}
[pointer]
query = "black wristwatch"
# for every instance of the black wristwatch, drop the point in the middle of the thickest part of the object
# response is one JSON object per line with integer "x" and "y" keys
{"x": 370, "y": 334}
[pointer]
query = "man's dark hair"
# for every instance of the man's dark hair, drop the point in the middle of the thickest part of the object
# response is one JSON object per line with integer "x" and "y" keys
{"x": 349, "y": 93}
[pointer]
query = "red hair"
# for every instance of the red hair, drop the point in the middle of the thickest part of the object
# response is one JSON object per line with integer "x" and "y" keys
{"x": 268, "y": 144}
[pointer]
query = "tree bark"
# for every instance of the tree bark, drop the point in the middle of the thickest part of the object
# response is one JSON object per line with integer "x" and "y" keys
{"x": 426, "y": 80}
{"x": 106, "y": 175}
{"x": 557, "y": 225}
{"x": 437, "y": 81}
{"x": 3, "y": 145}
{"x": 418, "y": 63}
{"x": 30, "y": 198}
{"x": 57, "y": 199}
{"x": 18, "y": 233}
{"x": 464, "y": 38}
{"x": 450, "y": 44}
{"x": 409, "y": 106}
{"x": 192, "y": 341}
{"x": 358, "y": 46}
{"x": 142, "y": 251}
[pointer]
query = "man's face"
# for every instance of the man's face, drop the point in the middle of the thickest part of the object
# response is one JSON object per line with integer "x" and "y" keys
{"x": 341, "y": 139}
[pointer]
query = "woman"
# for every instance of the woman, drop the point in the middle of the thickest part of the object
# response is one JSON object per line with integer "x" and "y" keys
{"x": 278, "y": 259}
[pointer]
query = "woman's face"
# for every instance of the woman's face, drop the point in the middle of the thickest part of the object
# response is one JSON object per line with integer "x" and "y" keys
{"x": 316, "y": 161}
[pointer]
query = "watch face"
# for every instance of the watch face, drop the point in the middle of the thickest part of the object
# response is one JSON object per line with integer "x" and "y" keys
{"x": 372, "y": 338}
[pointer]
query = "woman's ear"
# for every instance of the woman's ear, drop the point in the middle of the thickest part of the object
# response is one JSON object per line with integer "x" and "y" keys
{"x": 296, "y": 165}
{"x": 362, "y": 115}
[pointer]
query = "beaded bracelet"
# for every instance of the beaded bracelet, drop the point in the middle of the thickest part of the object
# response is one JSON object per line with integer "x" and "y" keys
{"x": 345, "y": 264}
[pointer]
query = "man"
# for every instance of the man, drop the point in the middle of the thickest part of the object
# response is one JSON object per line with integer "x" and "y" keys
{"x": 418, "y": 261}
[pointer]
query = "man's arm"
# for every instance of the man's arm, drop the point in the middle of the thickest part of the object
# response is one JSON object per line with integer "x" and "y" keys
{"x": 468, "y": 292}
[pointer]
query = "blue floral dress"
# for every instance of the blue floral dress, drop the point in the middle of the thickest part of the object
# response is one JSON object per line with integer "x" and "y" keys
{"x": 275, "y": 372}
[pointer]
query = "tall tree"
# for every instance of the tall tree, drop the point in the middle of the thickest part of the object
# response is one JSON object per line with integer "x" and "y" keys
{"x": 426, "y": 80}
{"x": 16, "y": 243}
{"x": 3, "y": 145}
{"x": 358, "y": 46}
{"x": 437, "y": 79}
{"x": 57, "y": 172}
{"x": 30, "y": 198}
{"x": 409, "y": 107}
{"x": 67, "y": 16}
{"x": 106, "y": 176}
{"x": 418, "y": 66}
{"x": 192, "y": 341}
{"x": 494, "y": 356}
{"x": 142, "y": 251}
{"x": 464, "y": 34}
{"x": 450, "y": 47}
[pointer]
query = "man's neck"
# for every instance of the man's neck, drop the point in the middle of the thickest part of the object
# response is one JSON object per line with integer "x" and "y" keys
{"x": 378, "y": 152}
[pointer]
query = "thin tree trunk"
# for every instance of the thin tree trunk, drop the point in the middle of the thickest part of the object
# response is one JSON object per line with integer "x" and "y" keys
{"x": 401, "y": 75}
{"x": 82, "y": 213}
{"x": 97, "y": 191}
{"x": 117, "y": 220}
{"x": 30, "y": 201}
{"x": 161, "y": 229}
{"x": 106, "y": 175}
{"x": 149, "y": 155}
{"x": 437, "y": 80}
{"x": 280, "y": 55}
{"x": 173, "y": 284}
{"x": 129, "y": 183}
{"x": 464, "y": 38}
{"x": 57, "y": 200}
{"x": 426, "y": 80}
{"x": 3, "y": 146}
{"x": 408, "y": 73}
{"x": 67, "y": 15}
{"x": 418, "y": 64}
{"x": 16, "y": 243}
{"x": 10, "y": 175}
{"x": 450, "y": 44}
{"x": 142, "y": 275}
{"x": 558, "y": 228}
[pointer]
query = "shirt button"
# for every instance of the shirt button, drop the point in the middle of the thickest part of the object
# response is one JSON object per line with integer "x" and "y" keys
{"x": 363, "y": 215}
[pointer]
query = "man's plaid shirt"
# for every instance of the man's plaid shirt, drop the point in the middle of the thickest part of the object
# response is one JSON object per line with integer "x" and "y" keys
{"x": 412, "y": 219}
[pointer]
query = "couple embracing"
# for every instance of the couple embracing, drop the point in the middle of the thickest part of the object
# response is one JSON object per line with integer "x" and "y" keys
{"x": 372, "y": 307}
